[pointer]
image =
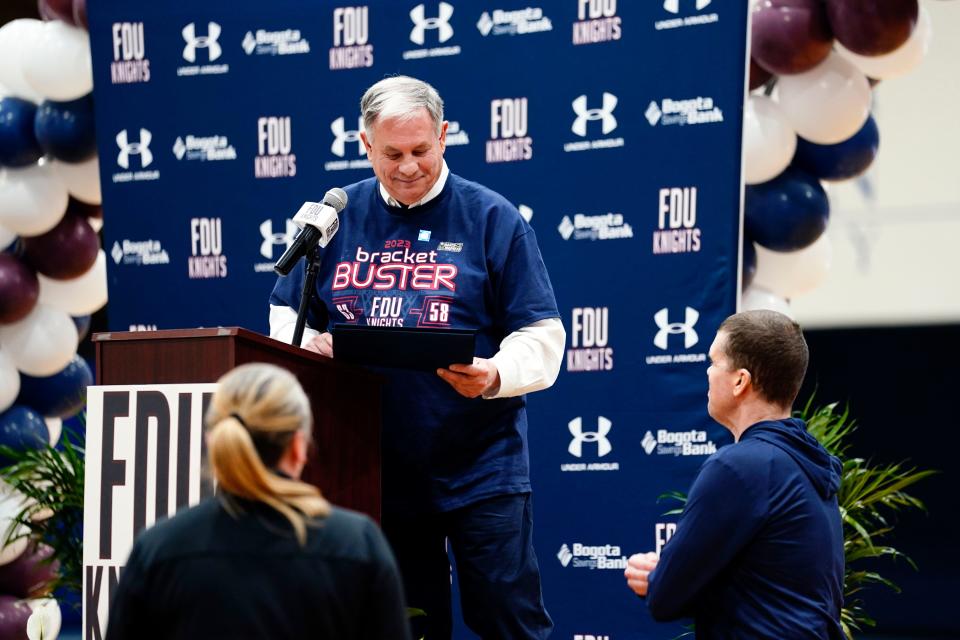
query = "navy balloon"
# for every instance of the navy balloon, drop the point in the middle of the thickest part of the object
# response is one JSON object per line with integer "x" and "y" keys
{"x": 843, "y": 160}
{"x": 22, "y": 428}
{"x": 83, "y": 325}
{"x": 65, "y": 129}
{"x": 58, "y": 396}
{"x": 787, "y": 213}
{"x": 18, "y": 143}
{"x": 749, "y": 264}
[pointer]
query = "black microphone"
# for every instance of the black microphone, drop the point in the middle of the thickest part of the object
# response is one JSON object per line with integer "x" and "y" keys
{"x": 318, "y": 223}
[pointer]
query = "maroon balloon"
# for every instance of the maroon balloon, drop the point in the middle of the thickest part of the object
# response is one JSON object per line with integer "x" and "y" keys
{"x": 66, "y": 251}
{"x": 14, "y": 614}
{"x": 56, "y": 10}
{"x": 19, "y": 289}
{"x": 31, "y": 574}
{"x": 790, "y": 36}
{"x": 872, "y": 27}
{"x": 758, "y": 75}
{"x": 80, "y": 14}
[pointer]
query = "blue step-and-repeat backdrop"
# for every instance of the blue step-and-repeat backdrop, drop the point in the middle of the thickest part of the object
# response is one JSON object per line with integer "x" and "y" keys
{"x": 614, "y": 127}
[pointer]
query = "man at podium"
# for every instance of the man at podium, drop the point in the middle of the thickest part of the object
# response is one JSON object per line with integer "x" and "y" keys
{"x": 419, "y": 246}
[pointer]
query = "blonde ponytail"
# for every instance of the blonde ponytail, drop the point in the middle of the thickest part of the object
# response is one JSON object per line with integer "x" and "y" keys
{"x": 265, "y": 404}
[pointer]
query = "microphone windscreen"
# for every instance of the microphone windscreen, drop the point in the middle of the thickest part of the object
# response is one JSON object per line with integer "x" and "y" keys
{"x": 336, "y": 198}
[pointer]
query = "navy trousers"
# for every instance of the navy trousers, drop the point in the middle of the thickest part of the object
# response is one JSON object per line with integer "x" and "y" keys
{"x": 499, "y": 579}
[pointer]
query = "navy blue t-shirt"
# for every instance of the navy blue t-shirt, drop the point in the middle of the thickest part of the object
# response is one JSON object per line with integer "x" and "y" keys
{"x": 464, "y": 260}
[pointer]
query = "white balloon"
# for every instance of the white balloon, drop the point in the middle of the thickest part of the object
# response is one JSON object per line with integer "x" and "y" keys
{"x": 15, "y": 36}
{"x": 758, "y": 298}
{"x": 11, "y": 503}
{"x": 901, "y": 60}
{"x": 45, "y": 621}
{"x": 32, "y": 200}
{"x": 9, "y": 382}
{"x": 7, "y": 237}
{"x": 54, "y": 428}
{"x": 57, "y": 63}
{"x": 793, "y": 273}
{"x": 78, "y": 296}
{"x": 42, "y": 343}
{"x": 82, "y": 179}
{"x": 827, "y": 104}
{"x": 768, "y": 140}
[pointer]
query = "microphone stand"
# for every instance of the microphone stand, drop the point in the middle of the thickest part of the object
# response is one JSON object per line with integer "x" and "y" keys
{"x": 309, "y": 286}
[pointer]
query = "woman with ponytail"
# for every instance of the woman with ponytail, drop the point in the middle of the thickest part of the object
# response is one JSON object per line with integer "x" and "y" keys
{"x": 268, "y": 557}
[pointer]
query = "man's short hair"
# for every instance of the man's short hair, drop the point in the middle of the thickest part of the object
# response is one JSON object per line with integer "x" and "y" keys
{"x": 771, "y": 347}
{"x": 400, "y": 97}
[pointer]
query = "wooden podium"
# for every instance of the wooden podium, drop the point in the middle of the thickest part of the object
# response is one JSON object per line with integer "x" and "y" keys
{"x": 345, "y": 461}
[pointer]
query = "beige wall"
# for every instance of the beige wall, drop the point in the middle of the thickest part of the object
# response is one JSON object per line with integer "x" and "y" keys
{"x": 897, "y": 255}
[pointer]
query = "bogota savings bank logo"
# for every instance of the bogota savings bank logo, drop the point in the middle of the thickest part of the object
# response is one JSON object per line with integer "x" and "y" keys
{"x": 581, "y": 556}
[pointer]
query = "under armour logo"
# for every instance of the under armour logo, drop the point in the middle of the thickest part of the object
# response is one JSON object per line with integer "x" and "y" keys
{"x": 690, "y": 337}
{"x": 139, "y": 148}
{"x": 605, "y": 114}
{"x": 422, "y": 23}
{"x": 271, "y": 239}
{"x": 599, "y": 436}
{"x": 673, "y": 6}
{"x": 341, "y": 137}
{"x": 208, "y": 42}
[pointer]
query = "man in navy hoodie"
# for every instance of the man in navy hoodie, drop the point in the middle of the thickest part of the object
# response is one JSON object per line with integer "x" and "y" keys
{"x": 758, "y": 551}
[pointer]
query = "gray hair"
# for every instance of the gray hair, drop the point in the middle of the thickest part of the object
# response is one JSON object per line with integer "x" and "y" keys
{"x": 400, "y": 97}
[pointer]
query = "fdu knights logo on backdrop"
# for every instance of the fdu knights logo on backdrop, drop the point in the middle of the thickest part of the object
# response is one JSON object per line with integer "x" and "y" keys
{"x": 134, "y": 157}
{"x": 597, "y": 21}
{"x": 509, "y": 141}
{"x": 677, "y": 230}
{"x": 676, "y": 337}
{"x": 273, "y": 243}
{"x": 206, "y": 259}
{"x": 130, "y": 63}
{"x": 202, "y": 49}
{"x": 589, "y": 444}
{"x": 351, "y": 39}
{"x": 438, "y": 24}
{"x": 589, "y": 340}
{"x": 686, "y": 13}
{"x": 275, "y": 157}
{"x": 606, "y": 124}
{"x": 347, "y": 142}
